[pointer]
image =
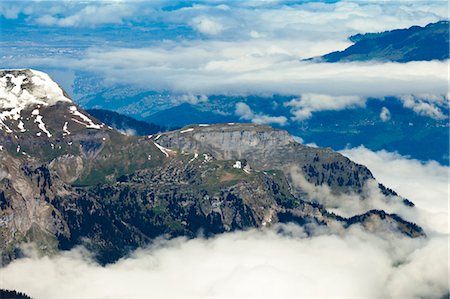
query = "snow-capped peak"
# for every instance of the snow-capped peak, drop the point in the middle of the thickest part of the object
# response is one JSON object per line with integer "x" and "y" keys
{"x": 22, "y": 88}
{"x": 22, "y": 91}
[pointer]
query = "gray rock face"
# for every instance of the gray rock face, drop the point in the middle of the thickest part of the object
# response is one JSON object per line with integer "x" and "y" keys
{"x": 228, "y": 141}
{"x": 265, "y": 148}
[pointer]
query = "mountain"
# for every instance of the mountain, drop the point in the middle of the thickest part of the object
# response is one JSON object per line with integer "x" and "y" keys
{"x": 7, "y": 294}
{"x": 404, "y": 131}
{"x": 416, "y": 134}
{"x": 186, "y": 114}
{"x": 68, "y": 179}
{"x": 125, "y": 124}
{"x": 402, "y": 45}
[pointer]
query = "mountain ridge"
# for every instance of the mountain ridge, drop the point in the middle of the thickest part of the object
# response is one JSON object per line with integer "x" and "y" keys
{"x": 415, "y": 43}
{"x": 84, "y": 183}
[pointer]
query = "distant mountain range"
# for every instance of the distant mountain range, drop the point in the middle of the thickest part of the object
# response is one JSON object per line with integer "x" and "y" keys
{"x": 419, "y": 136}
{"x": 188, "y": 114}
{"x": 404, "y": 131}
{"x": 402, "y": 45}
{"x": 124, "y": 124}
{"x": 67, "y": 179}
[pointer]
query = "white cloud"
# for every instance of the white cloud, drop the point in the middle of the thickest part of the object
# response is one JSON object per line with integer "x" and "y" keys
{"x": 207, "y": 25}
{"x": 10, "y": 12}
{"x": 252, "y": 264}
{"x": 193, "y": 99}
{"x": 128, "y": 132}
{"x": 91, "y": 15}
{"x": 255, "y": 67}
{"x": 426, "y": 104}
{"x": 424, "y": 183}
{"x": 246, "y": 113}
{"x": 303, "y": 107}
{"x": 347, "y": 204}
{"x": 270, "y": 18}
{"x": 385, "y": 114}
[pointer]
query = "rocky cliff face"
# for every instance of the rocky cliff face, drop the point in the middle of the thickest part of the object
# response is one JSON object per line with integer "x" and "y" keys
{"x": 67, "y": 179}
{"x": 265, "y": 148}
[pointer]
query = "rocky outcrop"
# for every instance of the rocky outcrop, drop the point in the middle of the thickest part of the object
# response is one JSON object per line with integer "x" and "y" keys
{"x": 265, "y": 148}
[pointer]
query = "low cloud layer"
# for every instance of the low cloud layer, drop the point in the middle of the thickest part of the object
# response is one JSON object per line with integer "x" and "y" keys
{"x": 268, "y": 263}
{"x": 254, "y": 68}
{"x": 425, "y": 183}
{"x": 251, "y": 264}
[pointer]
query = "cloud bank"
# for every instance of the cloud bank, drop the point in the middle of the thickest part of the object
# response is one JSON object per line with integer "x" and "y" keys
{"x": 240, "y": 69}
{"x": 253, "y": 264}
{"x": 425, "y": 183}
{"x": 279, "y": 262}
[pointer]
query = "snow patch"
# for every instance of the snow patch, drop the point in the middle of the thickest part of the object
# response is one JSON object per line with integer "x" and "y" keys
{"x": 41, "y": 124}
{"x": 164, "y": 150}
{"x": 21, "y": 126}
{"x": 195, "y": 157}
{"x": 86, "y": 121}
{"x": 187, "y": 130}
{"x": 65, "y": 129}
{"x": 13, "y": 114}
